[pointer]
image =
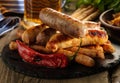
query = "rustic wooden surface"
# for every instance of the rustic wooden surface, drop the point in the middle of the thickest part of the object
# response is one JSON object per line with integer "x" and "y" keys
{"x": 10, "y": 76}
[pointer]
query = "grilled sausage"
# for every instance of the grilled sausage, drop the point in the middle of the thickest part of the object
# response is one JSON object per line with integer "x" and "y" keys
{"x": 93, "y": 37}
{"x": 43, "y": 37}
{"x": 29, "y": 35}
{"x": 65, "y": 23}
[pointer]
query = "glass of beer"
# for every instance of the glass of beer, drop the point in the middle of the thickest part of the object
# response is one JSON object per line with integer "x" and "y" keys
{"x": 32, "y": 9}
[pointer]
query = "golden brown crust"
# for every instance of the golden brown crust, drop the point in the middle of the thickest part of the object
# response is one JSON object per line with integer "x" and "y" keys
{"x": 93, "y": 37}
{"x": 43, "y": 36}
{"x": 40, "y": 49}
{"x": 29, "y": 35}
{"x": 85, "y": 60}
{"x": 13, "y": 45}
{"x": 79, "y": 57}
{"x": 94, "y": 51}
{"x": 108, "y": 47}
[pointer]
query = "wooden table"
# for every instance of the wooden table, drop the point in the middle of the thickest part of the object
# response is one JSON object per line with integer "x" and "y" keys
{"x": 10, "y": 76}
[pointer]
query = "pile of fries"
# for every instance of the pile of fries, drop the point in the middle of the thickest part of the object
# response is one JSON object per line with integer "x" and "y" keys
{"x": 116, "y": 20}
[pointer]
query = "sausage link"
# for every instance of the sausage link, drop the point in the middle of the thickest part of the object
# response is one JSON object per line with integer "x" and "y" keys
{"x": 62, "y": 22}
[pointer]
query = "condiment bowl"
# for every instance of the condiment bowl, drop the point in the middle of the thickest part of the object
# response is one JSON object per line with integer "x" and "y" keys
{"x": 113, "y": 31}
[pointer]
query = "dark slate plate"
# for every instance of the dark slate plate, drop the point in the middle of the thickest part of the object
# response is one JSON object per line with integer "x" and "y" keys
{"x": 74, "y": 70}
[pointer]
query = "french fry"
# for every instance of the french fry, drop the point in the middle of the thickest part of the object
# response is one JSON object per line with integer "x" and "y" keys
{"x": 41, "y": 49}
{"x": 108, "y": 47}
{"x": 100, "y": 52}
{"x": 66, "y": 52}
{"x": 91, "y": 51}
{"x": 13, "y": 45}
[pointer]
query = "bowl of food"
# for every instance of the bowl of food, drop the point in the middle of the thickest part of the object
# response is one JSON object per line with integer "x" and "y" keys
{"x": 111, "y": 22}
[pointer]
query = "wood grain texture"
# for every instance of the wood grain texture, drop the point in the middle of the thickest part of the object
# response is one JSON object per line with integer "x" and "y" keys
{"x": 116, "y": 75}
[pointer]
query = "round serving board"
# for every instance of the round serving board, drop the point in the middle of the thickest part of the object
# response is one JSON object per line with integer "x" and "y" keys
{"x": 14, "y": 62}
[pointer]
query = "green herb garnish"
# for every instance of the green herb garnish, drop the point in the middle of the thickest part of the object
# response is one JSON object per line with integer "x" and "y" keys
{"x": 75, "y": 54}
{"x": 102, "y": 5}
